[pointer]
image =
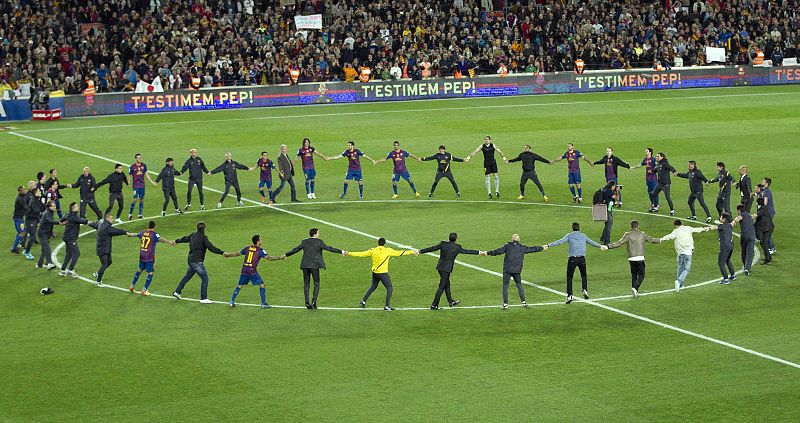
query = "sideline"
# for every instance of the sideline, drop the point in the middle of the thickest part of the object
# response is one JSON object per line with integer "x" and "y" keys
{"x": 378, "y": 112}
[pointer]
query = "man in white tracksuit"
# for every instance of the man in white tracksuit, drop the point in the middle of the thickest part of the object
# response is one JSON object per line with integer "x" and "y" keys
{"x": 684, "y": 246}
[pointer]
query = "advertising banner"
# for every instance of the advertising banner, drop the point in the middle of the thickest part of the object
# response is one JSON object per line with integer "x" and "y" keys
{"x": 344, "y": 92}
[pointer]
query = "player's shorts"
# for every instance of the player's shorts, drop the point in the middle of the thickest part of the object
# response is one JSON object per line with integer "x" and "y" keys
{"x": 405, "y": 175}
{"x": 353, "y": 175}
{"x": 573, "y": 178}
{"x": 268, "y": 183}
{"x": 19, "y": 225}
{"x": 489, "y": 168}
{"x": 254, "y": 279}
{"x": 138, "y": 193}
{"x": 310, "y": 174}
{"x": 147, "y": 265}
{"x": 651, "y": 185}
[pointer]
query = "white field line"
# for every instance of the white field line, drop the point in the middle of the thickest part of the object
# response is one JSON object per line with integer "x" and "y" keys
{"x": 544, "y": 288}
{"x": 376, "y": 112}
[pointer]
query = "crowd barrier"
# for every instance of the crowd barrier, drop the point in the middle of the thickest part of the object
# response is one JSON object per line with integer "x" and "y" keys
{"x": 343, "y": 92}
{"x": 21, "y": 109}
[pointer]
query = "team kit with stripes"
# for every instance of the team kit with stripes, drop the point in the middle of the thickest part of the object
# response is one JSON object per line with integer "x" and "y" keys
{"x": 38, "y": 210}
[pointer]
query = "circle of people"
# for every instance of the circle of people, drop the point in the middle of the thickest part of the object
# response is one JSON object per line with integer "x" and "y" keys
{"x": 37, "y": 211}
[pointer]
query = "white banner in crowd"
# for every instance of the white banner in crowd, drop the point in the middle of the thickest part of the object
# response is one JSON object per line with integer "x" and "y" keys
{"x": 308, "y": 22}
{"x": 715, "y": 54}
{"x": 154, "y": 87}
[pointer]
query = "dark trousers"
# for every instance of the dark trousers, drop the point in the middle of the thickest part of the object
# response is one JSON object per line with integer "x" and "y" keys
{"x": 699, "y": 197}
{"x": 167, "y": 195}
{"x": 531, "y": 175}
{"x": 386, "y": 281}
{"x": 651, "y": 187}
{"x": 448, "y": 175}
{"x": 663, "y": 188}
{"x": 91, "y": 202}
{"x": 198, "y": 182}
{"x": 444, "y": 287}
{"x": 763, "y": 239}
{"x": 105, "y": 263}
{"x": 748, "y": 246}
{"x": 748, "y": 203}
{"x": 605, "y": 237}
{"x": 293, "y": 189}
{"x": 31, "y": 227}
{"x": 198, "y": 269}
{"x": 308, "y": 274}
{"x": 112, "y": 197}
{"x": 580, "y": 263}
{"x": 45, "y": 257}
{"x": 72, "y": 255}
{"x": 518, "y": 280}
{"x": 723, "y": 204}
{"x": 228, "y": 186}
{"x": 637, "y": 273}
{"x": 724, "y": 263}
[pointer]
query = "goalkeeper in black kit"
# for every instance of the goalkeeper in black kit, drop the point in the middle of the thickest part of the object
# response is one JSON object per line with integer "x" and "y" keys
{"x": 529, "y": 159}
{"x": 443, "y": 158}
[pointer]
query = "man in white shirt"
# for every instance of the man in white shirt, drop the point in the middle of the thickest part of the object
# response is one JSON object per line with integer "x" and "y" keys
{"x": 396, "y": 72}
{"x": 684, "y": 246}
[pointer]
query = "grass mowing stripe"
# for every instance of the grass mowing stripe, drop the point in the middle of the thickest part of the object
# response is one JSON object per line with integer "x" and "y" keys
{"x": 372, "y": 112}
{"x": 694, "y": 334}
{"x": 596, "y": 304}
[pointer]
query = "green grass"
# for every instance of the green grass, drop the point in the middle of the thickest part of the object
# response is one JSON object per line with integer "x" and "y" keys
{"x": 94, "y": 354}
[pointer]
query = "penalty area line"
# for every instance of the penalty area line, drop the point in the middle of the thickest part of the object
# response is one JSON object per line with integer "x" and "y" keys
{"x": 481, "y": 269}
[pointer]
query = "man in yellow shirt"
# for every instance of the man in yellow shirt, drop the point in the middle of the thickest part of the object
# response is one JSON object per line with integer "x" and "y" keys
{"x": 380, "y": 269}
{"x": 349, "y": 73}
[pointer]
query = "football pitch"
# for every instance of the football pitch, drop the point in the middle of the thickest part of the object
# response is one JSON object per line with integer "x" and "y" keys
{"x": 707, "y": 353}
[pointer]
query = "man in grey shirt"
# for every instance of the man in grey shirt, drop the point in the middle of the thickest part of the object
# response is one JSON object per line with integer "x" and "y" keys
{"x": 286, "y": 173}
{"x": 635, "y": 240}
{"x": 576, "y": 241}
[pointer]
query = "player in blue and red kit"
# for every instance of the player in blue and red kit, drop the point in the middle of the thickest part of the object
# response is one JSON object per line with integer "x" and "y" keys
{"x": 148, "y": 239}
{"x": 573, "y": 157}
{"x": 58, "y": 187}
{"x": 252, "y": 256}
{"x": 306, "y": 153}
{"x": 265, "y": 165}
{"x": 650, "y": 177}
{"x": 612, "y": 164}
{"x": 138, "y": 172}
{"x": 353, "y": 167}
{"x": 398, "y": 157}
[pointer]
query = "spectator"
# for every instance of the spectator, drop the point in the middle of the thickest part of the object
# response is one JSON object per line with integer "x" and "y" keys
{"x": 244, "y": 40}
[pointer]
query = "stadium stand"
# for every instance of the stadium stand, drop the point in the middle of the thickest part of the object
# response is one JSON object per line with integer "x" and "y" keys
{"x": 60, "y": 44}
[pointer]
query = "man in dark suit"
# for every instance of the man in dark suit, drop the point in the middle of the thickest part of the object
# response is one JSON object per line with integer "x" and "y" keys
{"x": 311, "y": 262}
{"x": 447, "y": 257}
{"x": 286, "y": 173}
{"x": 745, "y": 188}
{"x": 512, "y": 265}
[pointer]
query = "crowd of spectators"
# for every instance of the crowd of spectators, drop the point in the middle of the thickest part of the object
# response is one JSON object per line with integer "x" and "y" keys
{"x": 59, "y": 44}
